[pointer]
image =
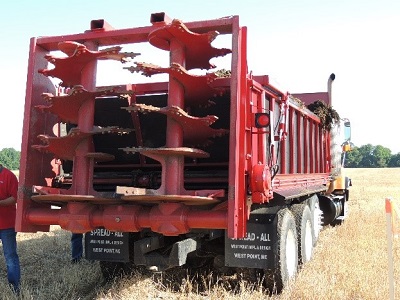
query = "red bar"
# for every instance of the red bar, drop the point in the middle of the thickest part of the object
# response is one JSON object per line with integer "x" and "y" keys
{"x": 193, "y": 219}
{"x": 312, "y": 147}
{"x": 82, "y": 183}
{"x": 305, "y": 148}
{"x": 318, "y": 154}
{"x": 388, "y": 206}
{"x": 289, "y": 182}
{"x": 31, "y": 166}
{"x": 300, "y": 161}
{"x": 135, "y": 35}
{"x": 173, "y": 170}
{"x": 283, "y": 157}
{"x": 237, "y": 211}
{"x": 292, "y": 145}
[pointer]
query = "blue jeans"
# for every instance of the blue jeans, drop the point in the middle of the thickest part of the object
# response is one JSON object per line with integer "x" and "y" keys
{"x": 9, "y": 240}
{"x": 76, "y": 246}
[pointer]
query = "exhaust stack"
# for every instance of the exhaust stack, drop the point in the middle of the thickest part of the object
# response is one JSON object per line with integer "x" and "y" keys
{"x": 330, "y": 81}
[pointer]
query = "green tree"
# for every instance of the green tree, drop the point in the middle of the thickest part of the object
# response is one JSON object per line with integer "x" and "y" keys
{"x": 394, "y": 161}
{"x": 381, "y": 156}
{"x": 367, "y": 154}
{"x": 353, "y": 158}
{"x": 370, "y": 156}
{"x": 9, "y": 157}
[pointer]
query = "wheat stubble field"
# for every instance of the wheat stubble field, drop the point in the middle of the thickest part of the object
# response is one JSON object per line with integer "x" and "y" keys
{"x": 350, "y": 261}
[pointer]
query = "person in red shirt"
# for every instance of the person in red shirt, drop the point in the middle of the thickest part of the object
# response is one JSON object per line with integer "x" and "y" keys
{"x": 8, "y": 236}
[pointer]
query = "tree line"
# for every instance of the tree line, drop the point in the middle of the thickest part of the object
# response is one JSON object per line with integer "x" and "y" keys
{"x": 370, "y": 156}
{"x": 366, "y": 156}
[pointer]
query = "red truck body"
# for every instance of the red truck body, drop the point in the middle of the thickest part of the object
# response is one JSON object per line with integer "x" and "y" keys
{"x": 192, "y": 153}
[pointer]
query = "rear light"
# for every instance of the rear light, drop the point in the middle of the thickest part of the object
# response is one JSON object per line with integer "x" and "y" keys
{"x": 262, "y": 120}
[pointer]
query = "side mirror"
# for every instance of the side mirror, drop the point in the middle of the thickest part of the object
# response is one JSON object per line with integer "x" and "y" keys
{"x": 347, "y": 130}
{"x": 346, "y": 146}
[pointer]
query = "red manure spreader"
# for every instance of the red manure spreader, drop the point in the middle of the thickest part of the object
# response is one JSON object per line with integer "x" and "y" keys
{"x": 185, "y": 164}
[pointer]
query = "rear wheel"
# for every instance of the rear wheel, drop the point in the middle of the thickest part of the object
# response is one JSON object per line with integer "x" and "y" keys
{"x": 286, "y": 251}
{"x": 302, "y": 215}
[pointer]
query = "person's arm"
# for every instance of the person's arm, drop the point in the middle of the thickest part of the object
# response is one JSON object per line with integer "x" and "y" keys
{"x": 7, "y": 201}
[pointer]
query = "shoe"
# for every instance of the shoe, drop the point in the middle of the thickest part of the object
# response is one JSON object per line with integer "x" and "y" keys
{"x": 16, "y": 289}
{"x": 76, "y": 260}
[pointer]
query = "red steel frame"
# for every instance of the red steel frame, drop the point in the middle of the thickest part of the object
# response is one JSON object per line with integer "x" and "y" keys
{"x": 248, "y": 162}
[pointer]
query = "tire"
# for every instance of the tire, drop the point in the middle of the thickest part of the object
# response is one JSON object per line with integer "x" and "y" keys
{"x": 285, "y": 250}
{"x": 305, "y": 235}
{"x": 316, "y": 217}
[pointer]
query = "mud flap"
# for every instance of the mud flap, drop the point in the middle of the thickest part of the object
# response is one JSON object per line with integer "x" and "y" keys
{"x": 105, "y": 245}
{"x": 256, "y": 249}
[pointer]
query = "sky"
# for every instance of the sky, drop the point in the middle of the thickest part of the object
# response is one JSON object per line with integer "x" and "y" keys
{"x": 297, "y": 43}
